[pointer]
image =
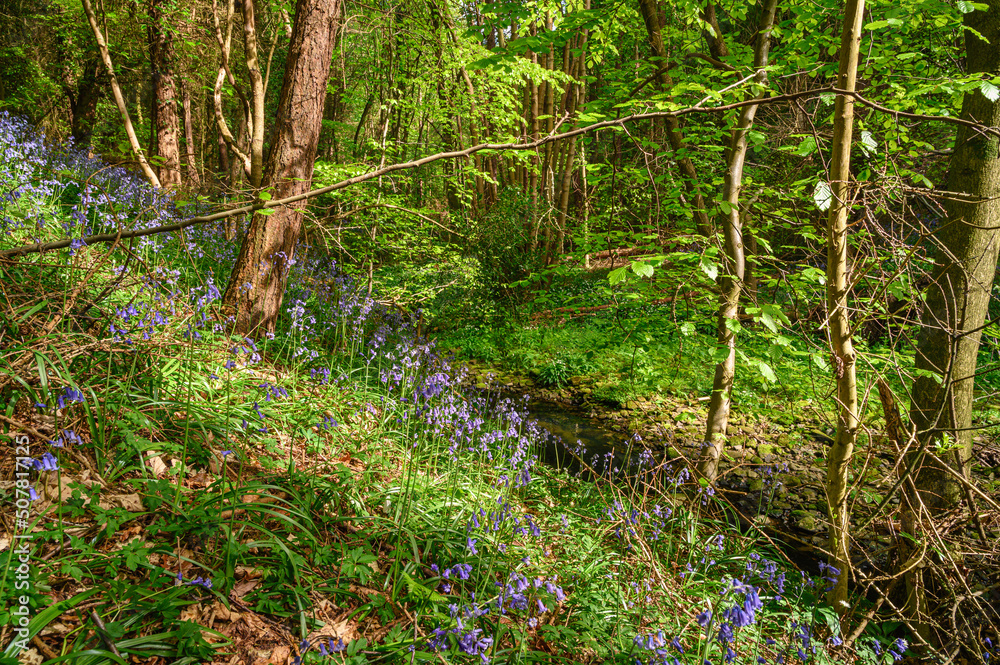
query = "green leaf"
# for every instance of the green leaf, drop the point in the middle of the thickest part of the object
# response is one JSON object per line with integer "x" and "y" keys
{"x": 806, "y": 147}
{"x": 869, "y": 145}
{"x": 688, "y": 328}
{"x": 264, "y": 196}
{"x": 617, "y": 275}
{"x": 822, "y": 195}
{"x": 720, "y": 354}
{"x": 767, "y": 372}
{"x": 990, "y": 91}
{"x": 928, "y": 374}
{"x": 642, "y": 269}
{"x": 710, "y": 268}
{"x": 768, "y": 321}
{"x": 725, "y": 207}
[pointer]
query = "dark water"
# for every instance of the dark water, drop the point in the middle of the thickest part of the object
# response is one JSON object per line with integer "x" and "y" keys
{"x": 597, "y": 446}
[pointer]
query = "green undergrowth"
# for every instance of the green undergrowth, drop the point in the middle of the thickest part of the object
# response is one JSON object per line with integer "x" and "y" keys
{"x": 331, "y": 492}
{"x": 622, "y": 343}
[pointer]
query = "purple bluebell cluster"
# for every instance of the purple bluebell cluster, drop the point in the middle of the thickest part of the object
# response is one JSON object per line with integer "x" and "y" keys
{"x": 57, "y": 190}
{"x": 204, "y": 582}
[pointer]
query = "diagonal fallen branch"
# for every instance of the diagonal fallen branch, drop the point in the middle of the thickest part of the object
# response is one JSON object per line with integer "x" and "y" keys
{"x": 39, "y": 247}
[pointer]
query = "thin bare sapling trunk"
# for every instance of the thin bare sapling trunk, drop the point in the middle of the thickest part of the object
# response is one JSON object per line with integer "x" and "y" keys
{"x": 732, "y": 280}
{"x": 116, "y": 90}
{"x": 837, "y": 285}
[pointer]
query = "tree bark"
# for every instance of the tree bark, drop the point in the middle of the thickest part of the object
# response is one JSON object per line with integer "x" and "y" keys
{"x": 192, "y": 166}
{"x": 83, "y": 95}
{"x": 116, "y": 90}
{"x": 837, "y": 285}
{"x": 957, "y": 303}
{"x": 255, "y": 121}
{"x": 257, "y": 284}
{"x": 161, "y": 51}
{"x": 958, "y": 298}
{"x": 735, "y": 269}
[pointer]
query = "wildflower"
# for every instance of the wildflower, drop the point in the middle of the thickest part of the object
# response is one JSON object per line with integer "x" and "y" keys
{"x": 897, "y": 649}
{"x": 704, "y": 618}
{"x": 32, "y": 494}
{"x": 48, "y": 462}
{"x": 471, "y": 544}
{"x": 69, "y": 396}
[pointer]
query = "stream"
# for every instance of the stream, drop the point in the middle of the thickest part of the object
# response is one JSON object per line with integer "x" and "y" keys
{"x": 602, "y": 446}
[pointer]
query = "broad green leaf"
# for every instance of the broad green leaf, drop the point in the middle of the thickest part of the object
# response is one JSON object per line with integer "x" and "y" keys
{"x": 822, "y": 195}
{"x": 642, "y": 269}
{"x": 767, "y": 372}
{"x": 265, "y": 196}
{"x": 710, "y": 268}
{"x": 617, "y": 275}
{"x": 990, "y": 91}
{"x": 688, "y": 328}
{"x": 869, "y": 145}
{"x": 806, "y": 147}
{"x": 725, "y": 207}
{"x": 768, "y": 321}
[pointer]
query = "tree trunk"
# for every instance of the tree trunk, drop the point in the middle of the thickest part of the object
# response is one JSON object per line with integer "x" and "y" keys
{"x": 732, "y": 280}
{"x": 168, "y": 146}
{"x": 192, "y": 165}
{"x": 957, "y": 302}
{"x": 257, "y": 284}
{"x": 116, "y": 90}
{"x": 841, "y": 346}
{"x": 965, "y": 260}
{"x": 256, "y": 120}
{"x": 83, "y": 97}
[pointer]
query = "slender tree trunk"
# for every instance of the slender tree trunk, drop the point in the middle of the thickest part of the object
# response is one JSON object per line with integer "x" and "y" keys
{"x": 256, "y": 120}
{"x": 257, "y": 284}
{"x": 735, "y": 267}
{"x": 116, "y": 90}
{"x": 837, "y": 281}
{"x": 192, "y": 165}
{"x": 225, "y": 47}
{"x": 168, "y": 126}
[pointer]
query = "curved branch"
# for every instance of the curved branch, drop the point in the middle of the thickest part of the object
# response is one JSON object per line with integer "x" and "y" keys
{"x": 455, "y": 154}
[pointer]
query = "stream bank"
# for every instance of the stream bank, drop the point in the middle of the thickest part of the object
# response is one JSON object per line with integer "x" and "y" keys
{"x": 773, "y": 472}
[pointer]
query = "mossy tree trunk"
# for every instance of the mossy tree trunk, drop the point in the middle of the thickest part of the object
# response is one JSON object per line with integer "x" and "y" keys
{"x": 956, "y": 304}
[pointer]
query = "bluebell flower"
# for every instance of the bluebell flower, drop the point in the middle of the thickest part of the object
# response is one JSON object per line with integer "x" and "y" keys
{"x": 48, "y": 462}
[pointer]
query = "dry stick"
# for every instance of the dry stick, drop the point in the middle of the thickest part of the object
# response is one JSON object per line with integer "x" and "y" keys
{"x": 104, "y": 633}
{"x": 455, "y": 154}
